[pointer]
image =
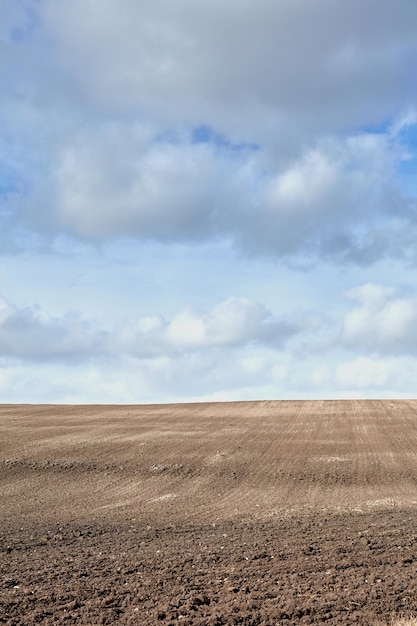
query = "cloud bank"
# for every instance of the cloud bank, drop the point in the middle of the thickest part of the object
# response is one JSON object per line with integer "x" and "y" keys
{"x": 260, "y": 124}
{"x": 235, "y": 184}
{"x": 32, "y": 334}
{"x": 236, "y": 347}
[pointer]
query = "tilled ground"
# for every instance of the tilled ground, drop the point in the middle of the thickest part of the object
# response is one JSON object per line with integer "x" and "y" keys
{"x": 338, "y": 569}
{"x": 245, "y": 513}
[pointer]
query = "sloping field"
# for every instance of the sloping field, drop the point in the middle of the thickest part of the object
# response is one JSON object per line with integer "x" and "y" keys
{"x": 221, "y": 513}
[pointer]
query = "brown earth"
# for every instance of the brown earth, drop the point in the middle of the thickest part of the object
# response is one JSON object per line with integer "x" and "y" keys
{"x": 224, "y": 513}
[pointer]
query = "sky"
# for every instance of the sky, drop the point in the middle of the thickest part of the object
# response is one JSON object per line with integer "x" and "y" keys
{"x": 207, "y": 201}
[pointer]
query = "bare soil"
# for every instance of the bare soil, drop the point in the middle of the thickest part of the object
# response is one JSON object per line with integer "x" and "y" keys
{"x": 249, "y": 513}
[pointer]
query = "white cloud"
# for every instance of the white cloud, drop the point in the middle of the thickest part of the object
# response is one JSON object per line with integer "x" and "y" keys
{"x": 247, "y": 68}
{"x": 32, "y": 334}
{"x": 119, "y": 183}
{"x": 173, "y": 153}
{"x": 236, "y": 322}
{"x": 340, "y": 200}
{"x": 103, "y": 100}
{"x": 364, "y": 373}
{"x": 238, "y": 349}
{"x": 383, "y": 323}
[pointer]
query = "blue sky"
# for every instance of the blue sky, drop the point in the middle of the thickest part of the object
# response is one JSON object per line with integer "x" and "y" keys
{"x": 207, "y": 200}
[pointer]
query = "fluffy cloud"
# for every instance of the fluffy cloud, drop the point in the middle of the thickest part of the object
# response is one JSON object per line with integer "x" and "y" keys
{"x": 184, "y": 122}
{"x": 255, "y": 136}
{"x": 238, "y": 349}
{"x": 233, "y": 323}
{"x": 339, "y": 200}
{"x": 32, "y": 334}
{"x": 236, "y": 345}
{"x": 121, "y": 182}
{"x": 383, "y": 323}
{"x": 377, "y": 374}
{"x": 246, "y": 68}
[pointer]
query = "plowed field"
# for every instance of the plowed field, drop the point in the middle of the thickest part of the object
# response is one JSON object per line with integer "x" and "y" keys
{"x": 223, "y": 513}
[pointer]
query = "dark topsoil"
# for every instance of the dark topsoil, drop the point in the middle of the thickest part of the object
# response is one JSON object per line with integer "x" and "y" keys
{"x": 335, "y": 569}
{"x": 236, "y": 513}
